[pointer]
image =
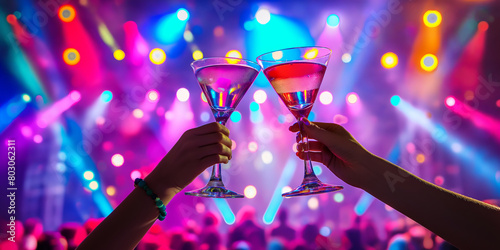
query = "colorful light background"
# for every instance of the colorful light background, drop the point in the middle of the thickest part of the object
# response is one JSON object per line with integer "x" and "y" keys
{"x": 96, "y": 92}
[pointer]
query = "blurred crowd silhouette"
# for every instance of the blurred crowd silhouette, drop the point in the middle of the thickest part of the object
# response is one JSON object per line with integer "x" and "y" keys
{"x": 245, "y": 234}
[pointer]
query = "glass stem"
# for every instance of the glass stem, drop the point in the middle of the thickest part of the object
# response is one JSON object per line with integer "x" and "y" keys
{"x": 308, "y": 168}
{"x": 217, "y": 168}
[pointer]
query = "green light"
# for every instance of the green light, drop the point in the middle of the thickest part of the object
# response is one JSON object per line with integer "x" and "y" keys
{"x": 106, "y": 96}
{"x": 26, "y": 98}
{"x": 395, "y": 100}
{"x": 235, "y": 116}
{"x": 254, "y": 106}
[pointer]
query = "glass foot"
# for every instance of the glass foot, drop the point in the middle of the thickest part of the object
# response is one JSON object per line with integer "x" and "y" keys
{"x": 312, "y": 187}
{"x": 215, "y": 189}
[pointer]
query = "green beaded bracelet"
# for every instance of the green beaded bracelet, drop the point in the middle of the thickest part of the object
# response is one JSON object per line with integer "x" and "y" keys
{"x": 159, "y": 204}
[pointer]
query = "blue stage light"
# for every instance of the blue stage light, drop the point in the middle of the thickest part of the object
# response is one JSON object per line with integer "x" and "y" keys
{"x": 395, "y": 100}
{"x": 106, "y": 96}
{"x": 235, "y": 116}
{"x": 171, "y": 27}
{"x": 333, "y": 20}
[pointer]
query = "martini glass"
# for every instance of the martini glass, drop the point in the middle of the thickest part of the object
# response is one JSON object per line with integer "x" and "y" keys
{"x": 224, "y": 81}
{"x": 296, "y": 76}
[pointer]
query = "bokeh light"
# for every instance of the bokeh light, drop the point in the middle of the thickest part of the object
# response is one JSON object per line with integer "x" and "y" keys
{"x": 233, "y": 144}
{"x": 429, "y": 62}
{"x": 395, "y": 100}
{"x": 204, "y": 116}
{"x": 352, "y": 98}
{"x": 482, "y": 26}
{"x": 346, "y": 58}
{"x": 152, "y": 95}
{"x": 88, "y": 175}
{"x": 389, "y": 60}
{"x": 333, "y": 20}
{"x": 182, "y": 14}
{"x": 263, "y": 16}
{"x": 182, "y": 94}
{"x": 313, "y": 203}
{"x": 26, "y": 131}
{"x": 235, "y": 116}
{"x": 420, "y": 158}
{"x": 260, "y": 96}
{"x": 317, "y": 170}
{"x": 325, "y": 231}
{"x": 450, "y": 101}
{"x": 439, "y": 180}
{"x": 37, "y": 138}
{"x": 338, "y": 197}
{"x": 203, "y": 97}
{"x": 456, "y": 147}
{"x": 432, "y": 18}
{"x": 250, "y": 192}
{"x": 119, "y": 54}
{"x": 75, "y": 95}
{"x": 157, "y": 56}
{"x": 106, "y": 96}
{"x": 253, "y": 146}
{"x": 188, "y": 36}
{"x": 71, "y": 56}
{"x": 326, "y": 97}
{"x": 218, "y": 31}
{"x": 111, "y": 190}
{"x": 135, "y": 174}
{"x": 197, "y": 55}
{"x": 234, "y": 53}
{"x": 267, "y": 157}
{"x": 277, "y": 55}
{"x": 117, "y": 160}
{"x": 311, "y": 53}
{"x": 26, "y": 98}
{"x": 340, "y": 119}
{"x": 286, "y": 189}
{"x": 138, "y": 113}
{"x": 67, "y": 13}
{"x": 93, "y": 185}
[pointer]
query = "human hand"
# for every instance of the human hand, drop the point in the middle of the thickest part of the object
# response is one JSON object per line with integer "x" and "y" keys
{"x": 337, "y": 149}
{"x": 197, "y": 149}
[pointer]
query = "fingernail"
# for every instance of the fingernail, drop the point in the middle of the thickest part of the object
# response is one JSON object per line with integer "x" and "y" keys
{"x": 305, "y": 121}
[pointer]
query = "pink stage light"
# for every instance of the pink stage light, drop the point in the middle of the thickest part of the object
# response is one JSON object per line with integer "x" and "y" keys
{"x": 153, "y": 95}
{"x": 50, "y": 114}
{"x": 135, "y": 174}
{"x": 37, "y": 139}
{"x": 450, "y": 101}
{"x": 26, "y": 131}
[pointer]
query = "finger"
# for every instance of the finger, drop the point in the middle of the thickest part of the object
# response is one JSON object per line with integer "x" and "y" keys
{"x": 210, "y": 128}
{"x": 332, "y": 127}
{"x": 210, "y": 160}
{"x": 313, "y": 146}
{"x": 215, "y": 149}
{"x": 314, "y": 156}
{"x": 213, "y": 138}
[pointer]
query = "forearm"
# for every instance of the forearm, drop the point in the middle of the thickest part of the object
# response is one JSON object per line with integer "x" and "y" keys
{"x": 127, "y": 224}
{"x": 462, "y": 221}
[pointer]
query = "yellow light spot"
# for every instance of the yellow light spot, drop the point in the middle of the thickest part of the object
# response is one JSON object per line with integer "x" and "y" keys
{"x": 250, "y": 192}
{"x": 429, "y": 62}
{"x": 203, "y": 97}
{"x": 420, "y": 158}
{"x": 432, "y": 18}
{"x": 157, "y": 56}
{"x": 234, "y": 54}
{"x": 71, "y": 56}
{"x": 197, "y": 55}
{"x": 311, "y": 54}
{"x": 67, "y": 13}
{"x": 389, "y": 60}
{"x": 111, "y": 190}
{"x": 119, "y": 54}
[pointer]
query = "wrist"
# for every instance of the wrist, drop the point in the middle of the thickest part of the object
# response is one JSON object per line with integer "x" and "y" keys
{"x": 164, "y": 191}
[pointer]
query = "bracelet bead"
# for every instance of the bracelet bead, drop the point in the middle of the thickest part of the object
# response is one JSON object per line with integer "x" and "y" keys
{"x": 158, "y": 203}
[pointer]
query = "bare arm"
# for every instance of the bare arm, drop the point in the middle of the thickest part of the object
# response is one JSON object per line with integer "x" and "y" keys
{"x": 464, "y": 222}
{"x": 196, "y": 150}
